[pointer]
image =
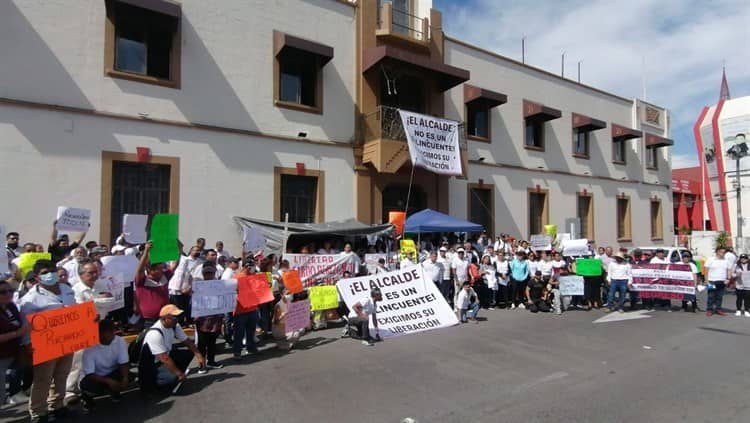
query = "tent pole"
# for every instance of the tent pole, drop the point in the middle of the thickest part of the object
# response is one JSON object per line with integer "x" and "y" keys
{"x": 286, "y": 234}
{"x": 408, "y": 193}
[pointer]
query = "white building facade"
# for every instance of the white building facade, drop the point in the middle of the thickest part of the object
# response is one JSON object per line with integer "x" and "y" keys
{"x": 258, "y": 109}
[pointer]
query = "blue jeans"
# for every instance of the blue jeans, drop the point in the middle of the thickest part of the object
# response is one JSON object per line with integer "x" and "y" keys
{"x": 620, "y": 286}
{"x": 244, "y": 327}
{"x": 715, "y": 296}
{"x": 470, "y": 312}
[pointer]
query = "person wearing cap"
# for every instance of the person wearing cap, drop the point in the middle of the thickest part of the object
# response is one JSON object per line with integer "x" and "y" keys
{"x": 48, "y": 294}
{"x": 169, "y": 364}
{"x": 718, "y": 272}
{"x": 208, "y": 327}
{"x": 742, "y": 285}
{"x": 233, "y": 266}
{"x": 519, "y": 275}
{"x": 360, "y": 315}
{"x": 460, "y": 271}
{"x": 536, "y": 292}
{"x": 619, "y": 277}
{"x": 690, "y": 301}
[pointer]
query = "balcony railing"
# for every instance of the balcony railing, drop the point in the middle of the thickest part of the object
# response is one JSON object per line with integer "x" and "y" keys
{"x": 400, "y": 22}
{"x": 385, "y": 123}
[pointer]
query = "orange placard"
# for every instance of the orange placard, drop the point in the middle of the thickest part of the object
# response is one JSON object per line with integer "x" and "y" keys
{"x": 292, "y": 281}
{"x": 397, "y": 219}
{"x": 63, "y": 331}
{"x": 253, "y": 290}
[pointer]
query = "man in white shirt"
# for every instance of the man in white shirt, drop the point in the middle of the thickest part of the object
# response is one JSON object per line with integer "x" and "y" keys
{"x": 467, "y": 309}
{"x": 433, "y": 269}
{"x": 72, "y": 263}
{"x": 718, "y": 272}
{"x": 105, "y": 366}
{"x": 360, "y": 316}
{"x": 233, "y": 266}
{"x": 220, "y": 251}
{"x": 407, "y": 260}
{"x": 210, "y": 260}
{"x": 48, "y": 294}
{"x": 181, "y": 283}
{"x": 619, "y": 277}
{"x": 731, "y": 257}
{"x": 445, "y": 284}
{"x": 460, "y": 270}
{"x": 167, "y": 366}
{"x": 660, "y": 257}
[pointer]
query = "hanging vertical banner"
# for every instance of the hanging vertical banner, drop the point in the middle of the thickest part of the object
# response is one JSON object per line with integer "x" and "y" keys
{"x": 433, "y": 143}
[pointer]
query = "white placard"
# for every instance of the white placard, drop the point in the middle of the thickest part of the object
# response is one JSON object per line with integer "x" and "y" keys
{"x": 253, "y": 240}
{"x": 120, "y": 265}
{"x": 213, "y": 297}
{"x": 411, "y": 303}
{"x": 134, "y": 228}
{"x": 433, "y": 143}
{"x": 70, "y": 219}
{"x": 571, "y": 285}
{"x": 114, "y": 285}
{"x": 575, "y": 248}
{"x": 540, "y": 242}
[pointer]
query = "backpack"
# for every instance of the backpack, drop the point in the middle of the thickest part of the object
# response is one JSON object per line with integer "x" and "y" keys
{"x": 135, "y": 347}
{"x": 141, "y": 352}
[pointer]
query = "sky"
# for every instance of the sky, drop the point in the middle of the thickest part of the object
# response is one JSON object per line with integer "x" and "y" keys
{"x": 677, "y": 47}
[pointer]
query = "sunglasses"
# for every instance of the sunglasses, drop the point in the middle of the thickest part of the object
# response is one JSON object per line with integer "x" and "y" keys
{"x": 5, "y": 291}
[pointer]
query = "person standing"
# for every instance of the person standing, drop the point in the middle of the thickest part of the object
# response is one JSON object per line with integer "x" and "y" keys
{"x": 46, "y": 295}
{"x": 718, "y": 272}
{"x": 151, "y": 293}
{"x": 11, "y": 245}
{"x": 13, "y": 328}
{"x": 244, "y": 319}
{"x": 208, "y": 327}
{"x": 181, "y": 282}
{"x": 619, "y": 277}
{"x": 742, "y": 285}
{"x": 60, "y": 246}
{"x": 445, "y": 284}
{"x": 433, "y": 269}
{"x": 519, "y": 275}
{"x": 489, "y": 274}
{"x": 503, "y": 278}
{"x": 221, "y": 252}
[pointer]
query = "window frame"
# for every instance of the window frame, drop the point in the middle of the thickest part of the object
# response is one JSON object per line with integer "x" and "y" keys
{"x": 539, "y": 129}
{"x": 623, "y": 151}
{"x": 110, "y": 51}
{"x": 587, "y": 141}
{"x": 627, "y": 236}
{"x": 590, "y": 218}
{"x": 651, "y": 152}
{"x": 478, "y": 108}
{"x": 491, "y": 206}
{"x": 545, "y": 209}
{"x": 300, "y": 61}
{"x": 320, "y": 190}
{"x": 656, "y": 222}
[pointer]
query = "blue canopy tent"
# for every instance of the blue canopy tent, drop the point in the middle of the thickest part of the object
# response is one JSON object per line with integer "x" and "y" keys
{"x": 429, "y": 220}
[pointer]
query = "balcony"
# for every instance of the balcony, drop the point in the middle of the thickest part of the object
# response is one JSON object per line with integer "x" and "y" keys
{"x": 384, "y": 138}
{"x": 402, "y": 27}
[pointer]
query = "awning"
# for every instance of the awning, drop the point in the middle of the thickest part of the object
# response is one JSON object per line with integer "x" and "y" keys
{"x": 587, "y": 124}
{"x": 655, "y": 141}
{"x": 481, "y": 97}
{"x": 539, "y": 112}
{"x": 283, "y": 43}
{"x": 448, "y": 76}
{"x": 622, "y": 133}
{"x": 165, "y": 7}
{"x": 274, "y": 231}
{"x": 429, "y": 220}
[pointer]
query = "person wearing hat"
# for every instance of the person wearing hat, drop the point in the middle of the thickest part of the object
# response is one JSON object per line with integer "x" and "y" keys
{"x": 619, "y": 277}
{"x": 742, "y": 285}
{"x": 168, "y": 365}
{"x": 690, "y": 301}
{"x": 360, "y": 315}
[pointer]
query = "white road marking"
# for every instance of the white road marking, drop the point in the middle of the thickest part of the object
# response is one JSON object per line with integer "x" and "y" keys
{"x": 618, "y": 317}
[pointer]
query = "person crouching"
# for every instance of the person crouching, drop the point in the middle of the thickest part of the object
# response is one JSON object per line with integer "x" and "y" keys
{"x": 536, "y": 292}
{"x": 467, "y": 303}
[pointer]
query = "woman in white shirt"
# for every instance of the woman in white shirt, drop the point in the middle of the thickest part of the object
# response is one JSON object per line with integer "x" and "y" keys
{"x": 690, "y": 300}
{"x": 619, "y": 276}
{"x": 742, "y": 285}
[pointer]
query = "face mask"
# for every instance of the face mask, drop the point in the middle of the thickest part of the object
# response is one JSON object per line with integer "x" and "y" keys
{"x": 48, "y": 279}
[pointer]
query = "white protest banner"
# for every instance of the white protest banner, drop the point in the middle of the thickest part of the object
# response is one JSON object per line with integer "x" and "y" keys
{"x": 134, "y": 228}
{"x": 114, "y": 285}
{"x": 297, "y": 316}
{"x": 433, "y": 143}
{"x": 213, "y": 297}
{"x": 371, "y": 261}
{"x": 575, "y": 248}
{"x": 122, "y": 265}
{"x": 322, "y": 269}
{"x": 540, "y": 242}
{"x": 411, "y": 303}
{"x": 571, "y": 285}
{"x": 70, "y": 219}
{"x": 253, "y": 240}
{"x": 665, "y": 281}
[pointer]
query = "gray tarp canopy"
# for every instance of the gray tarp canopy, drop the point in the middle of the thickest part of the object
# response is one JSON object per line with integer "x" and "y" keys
{"x": 274, "y": 231}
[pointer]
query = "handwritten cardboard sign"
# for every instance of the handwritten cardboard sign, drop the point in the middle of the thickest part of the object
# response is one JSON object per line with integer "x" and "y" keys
{"x": 253, "y": 240}
{"x": 120, "y": 265}
{"x": 292, "y": 281}
{"x": 571, "y": 285}
{"x": 297, "y": 316}
{"x": 59, "y": 332}
{"x": 213, "y": 297}
{"x": 70, "y": 219}
{"x": 324, "y": 297}
{"x": 253, "y": 290}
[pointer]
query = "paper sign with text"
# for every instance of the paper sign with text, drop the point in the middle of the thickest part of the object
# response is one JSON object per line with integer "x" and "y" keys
{"x": 411, "y": 303}
{"x": 433, "y": 143}
{"x": 114, "y": 285}
{"x": 571, "y": 285}
{"x": 253, "y": 290}
{"x": 120, "y": 265}
{"x": 664, "y": 281}
{"x": 540, "y": 242}
{"x": 297, "y": 316}
{"x": 322, "y": 269}
{"x": 292, "y": 281}
{"x": 213, "y": 297}
{"x": 59, "y": 332}
{"x": 253, "y": 240}
{"x": 134, "y": 228}
{"x": 71, "y": 219}
{"x": 323, "y": 297}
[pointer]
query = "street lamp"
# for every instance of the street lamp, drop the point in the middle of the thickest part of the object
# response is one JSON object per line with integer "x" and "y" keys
{"x": 736, "y": 152}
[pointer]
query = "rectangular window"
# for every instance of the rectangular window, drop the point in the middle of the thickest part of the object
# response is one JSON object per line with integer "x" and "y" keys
{"x": 623, "y": 219}
{"x": 585, "y": 210}
{"x": 481, "y": 206}
{"x": 618, "y": 152}
{"x": 142, "y": 44}
{"x": 538, "y": 212}
{"x": 298, "y": 198}
{"x": 580, "y": 143}
{"x": 478, "y": 121}
{"x": 657, "y": 232}
{"x": 534, "y": 138}
{"x": 299, "y": 80}
{"x": 652, "y": 158}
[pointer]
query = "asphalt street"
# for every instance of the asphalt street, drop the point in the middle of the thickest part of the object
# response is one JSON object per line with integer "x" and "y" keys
{"x": 512, "y": 367}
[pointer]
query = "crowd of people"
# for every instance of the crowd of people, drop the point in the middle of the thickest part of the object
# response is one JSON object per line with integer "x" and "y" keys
{"x": 472, "y": 276}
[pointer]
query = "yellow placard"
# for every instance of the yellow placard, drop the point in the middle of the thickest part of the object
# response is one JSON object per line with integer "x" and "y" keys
{"x": 408, "y": 249}
{"x": 27, "y": 261}
{"x": 323, "y": 297}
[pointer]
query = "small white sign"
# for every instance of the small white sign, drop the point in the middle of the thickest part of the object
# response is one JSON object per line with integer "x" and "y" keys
{"x": 70, "y": 219}
{"x": 134, "y": 228}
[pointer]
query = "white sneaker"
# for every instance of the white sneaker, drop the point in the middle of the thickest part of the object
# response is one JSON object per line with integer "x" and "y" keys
{"x": 522, "y": 307}
{"x": 738, "y": 313}
{"x": 367, "y": 343}
{"x": 747, "y": 314}
{"x": 513, "y": 307}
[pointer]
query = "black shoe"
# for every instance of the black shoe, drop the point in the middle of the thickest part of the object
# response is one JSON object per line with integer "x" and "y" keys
{"x": 39, "y": 419}
{"x": 62, "y": 413}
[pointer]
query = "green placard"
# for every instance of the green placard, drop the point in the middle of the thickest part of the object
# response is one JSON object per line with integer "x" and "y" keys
{"x": 164, "y": 230}
{"x": 588, "y": 267}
